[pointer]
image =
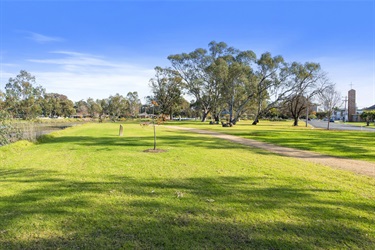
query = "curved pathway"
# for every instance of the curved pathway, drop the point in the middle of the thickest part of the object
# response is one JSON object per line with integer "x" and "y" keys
{"x": 356, "y": 166}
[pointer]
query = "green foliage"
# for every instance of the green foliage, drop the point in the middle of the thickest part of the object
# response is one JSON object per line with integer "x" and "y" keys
{"x": 368, "y": 116}
{"x": 167, "y": 89}
{"x": 225, "y": 78}
{"x": 321, "y": 115}
{"x": 57, "y": 105}
{"x": 22, "y": 98}
{"x": 88, "y": 188}
{"x": 134, "y": 104}
{"x": 8, "y": 132}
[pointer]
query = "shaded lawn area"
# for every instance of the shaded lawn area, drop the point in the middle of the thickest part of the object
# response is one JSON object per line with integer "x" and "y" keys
{"x": 87, "y": 188}
{"x": 359, "y": 145}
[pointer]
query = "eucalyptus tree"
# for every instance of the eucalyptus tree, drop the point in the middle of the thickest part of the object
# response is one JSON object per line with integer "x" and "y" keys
{"x": 66, "y": 107}
{"x": 185, "y": 109}
{"x": 215, "y": 77}
{"x": 134, "y": 103}
{"x": 239, "y": 88}
{"x": 81, "y": 107}
{"x": 167, "y": 89}
{"x": 117, "y": 106}
{"x": 102, "y": 105}
{"x": 55, "y": 104}
{"x": 269, "y": 79}
{"x": 93, "y": 108}
{"x": 192, "y": 69}
{"x": 23, "y": 97}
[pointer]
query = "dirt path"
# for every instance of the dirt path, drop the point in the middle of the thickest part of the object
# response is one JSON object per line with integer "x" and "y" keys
{"x": 356, "y": 166}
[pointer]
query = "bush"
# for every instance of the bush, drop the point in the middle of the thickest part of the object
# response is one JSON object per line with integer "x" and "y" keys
{"x": 8, "y": 132}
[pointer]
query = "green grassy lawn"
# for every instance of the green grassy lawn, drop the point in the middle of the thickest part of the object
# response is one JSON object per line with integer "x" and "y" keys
{"x": 87, "y": 188}
{"x": 358, "y": 145}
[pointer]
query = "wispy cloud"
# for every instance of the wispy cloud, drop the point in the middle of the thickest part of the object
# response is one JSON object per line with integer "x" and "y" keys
{"x": 80, "y": 61}
{"x": 42, "y": 39}
{"x": 75, "y": 58}
{"x": 81, "y": 75}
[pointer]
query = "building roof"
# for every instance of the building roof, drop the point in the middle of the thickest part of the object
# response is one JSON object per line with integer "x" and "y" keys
{"x": 370, "y": 108}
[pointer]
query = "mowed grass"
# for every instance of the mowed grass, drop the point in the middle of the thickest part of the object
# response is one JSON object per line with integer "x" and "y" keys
{"x": 359, "y": 145}
{"x": 87, "y": 188}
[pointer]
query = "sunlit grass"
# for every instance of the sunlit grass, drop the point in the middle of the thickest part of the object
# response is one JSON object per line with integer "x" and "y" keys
{"x": 349, "y": 144}
{"x": 88, "y": 188}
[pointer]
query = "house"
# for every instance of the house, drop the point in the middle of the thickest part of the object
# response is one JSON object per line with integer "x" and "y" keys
{"x": 372, "y": 108}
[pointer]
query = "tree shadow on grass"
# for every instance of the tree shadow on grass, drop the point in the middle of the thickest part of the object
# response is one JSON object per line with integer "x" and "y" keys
{"x": 144, "y": 142}
{"x": 352, "y": 151}
{"x": 166, "y": 213}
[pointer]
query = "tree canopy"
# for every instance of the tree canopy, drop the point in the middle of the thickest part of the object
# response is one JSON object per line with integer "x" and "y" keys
{"x": 224, "y": 78}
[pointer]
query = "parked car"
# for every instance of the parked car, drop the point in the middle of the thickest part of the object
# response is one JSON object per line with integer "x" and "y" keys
{"x": 331, "y": 120}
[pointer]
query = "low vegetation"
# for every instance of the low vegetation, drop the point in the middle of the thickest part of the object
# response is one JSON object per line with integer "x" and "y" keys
{"x": 85, "y": 187}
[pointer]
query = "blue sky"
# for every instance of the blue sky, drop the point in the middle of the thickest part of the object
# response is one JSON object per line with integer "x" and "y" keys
{"x": 99, "y": 48}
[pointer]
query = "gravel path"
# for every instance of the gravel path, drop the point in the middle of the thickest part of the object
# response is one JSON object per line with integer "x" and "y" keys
{"x": 356, "y": 166}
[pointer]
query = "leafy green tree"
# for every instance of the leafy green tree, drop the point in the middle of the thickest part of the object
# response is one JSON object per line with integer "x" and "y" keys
{"x": 55, "y": 104}
{"x": 368, "y": 116}
{"x": 134, "y": 103}
{"x": 81, "y": 108}
{"x": 184, "y": 109}
{"x": 191, "y": 68}
{"x": 22, "y": 98}
{"x": 66, "y": 107}
{"x": 237, "y": 89}
{"x": 103, "y": 109}
{"x": 93, "y": 107}
{"x": 117, "y": 106}
{"x": 215, "y": 77}
{"x": 268, "y": 80}
{"x": 225, "y": 78}
{"x": 166, "y": 87}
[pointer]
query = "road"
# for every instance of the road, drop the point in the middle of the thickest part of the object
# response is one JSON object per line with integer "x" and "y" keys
{"x": 339, "y": 126}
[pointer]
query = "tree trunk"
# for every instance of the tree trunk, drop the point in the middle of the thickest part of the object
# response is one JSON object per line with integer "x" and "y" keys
{"x": 216, "y": 118}
{"x": 295, "y": 123}
{"x": 205, "y": 113}
{"x": 153, "y": 123}
{"x": 256, "y": 120}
